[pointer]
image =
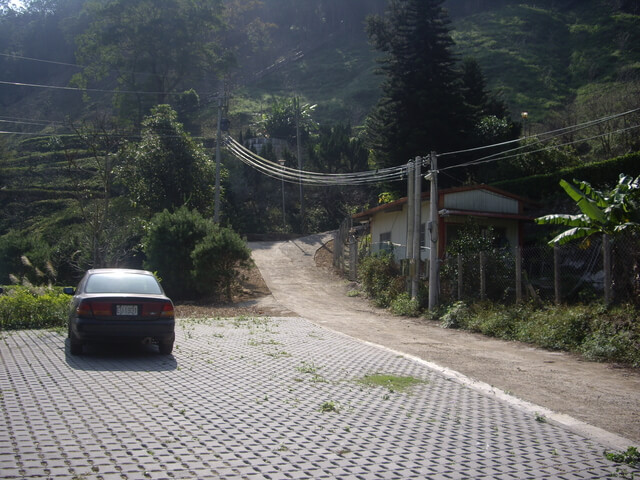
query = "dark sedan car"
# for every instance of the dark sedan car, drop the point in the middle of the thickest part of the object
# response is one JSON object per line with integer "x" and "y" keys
{"x": 115, "y": 304}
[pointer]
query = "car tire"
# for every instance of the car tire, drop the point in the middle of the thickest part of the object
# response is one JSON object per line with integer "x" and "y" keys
{"x": 165, "y": 348}
{"x": 75, "y": 345}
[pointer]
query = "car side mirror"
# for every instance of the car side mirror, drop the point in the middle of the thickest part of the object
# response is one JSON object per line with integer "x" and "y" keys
{"x": 69, "y": 290}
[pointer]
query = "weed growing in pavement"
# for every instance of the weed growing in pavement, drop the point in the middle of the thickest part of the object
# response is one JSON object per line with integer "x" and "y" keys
{"x": 329, "y": 406}
{"x": 256, "y": 343}
{"x": 279, "y": 354}
{"x": 540, "y": 418}
{"x": 630, "y": 456}
{"x": 393, "y": 383}
{"x": 307, "y": 367}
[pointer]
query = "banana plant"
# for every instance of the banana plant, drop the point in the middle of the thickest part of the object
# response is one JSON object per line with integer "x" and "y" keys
{"x": 602, "y": 212}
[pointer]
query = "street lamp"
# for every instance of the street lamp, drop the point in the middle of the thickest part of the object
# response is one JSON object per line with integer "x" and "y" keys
{"x": 282, "y": 161}
{"x": 525, "y": 116}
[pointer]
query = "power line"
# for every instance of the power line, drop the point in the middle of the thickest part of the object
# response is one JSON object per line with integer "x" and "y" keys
{"x": 492, "y": 158}
{"x": 292, "y": 175}
{"x": 53, "y": 62}
{"x": 94, "y": 90}
{"x": 553, "y": 133}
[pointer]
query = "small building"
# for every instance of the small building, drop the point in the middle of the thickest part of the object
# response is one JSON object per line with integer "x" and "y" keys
{"x": 487, "y": 206}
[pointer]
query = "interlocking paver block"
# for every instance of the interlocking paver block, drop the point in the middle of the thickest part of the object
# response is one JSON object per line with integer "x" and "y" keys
{"x": 241, "y": 398}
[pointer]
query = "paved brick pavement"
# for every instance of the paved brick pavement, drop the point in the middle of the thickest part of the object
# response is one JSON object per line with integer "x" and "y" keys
{"x": 243, "y": 399}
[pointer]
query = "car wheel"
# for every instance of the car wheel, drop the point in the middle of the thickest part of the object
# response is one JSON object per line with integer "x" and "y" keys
{"x": 75, "y": 345}
{"x": 165, "y": 347}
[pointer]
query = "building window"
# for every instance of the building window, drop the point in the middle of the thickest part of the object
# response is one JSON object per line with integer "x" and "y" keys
{"x": 385, "y": 242}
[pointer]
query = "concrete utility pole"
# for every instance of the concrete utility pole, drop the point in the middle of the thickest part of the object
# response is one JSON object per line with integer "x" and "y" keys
{"x": 433, "y": 234}
{"x": 417, "y": 220}
{"x": 410, "y": 185}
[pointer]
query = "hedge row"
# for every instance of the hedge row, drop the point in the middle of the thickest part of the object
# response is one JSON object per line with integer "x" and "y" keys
{"x": 22, "y": 308}
{"x": 598, "y": 174}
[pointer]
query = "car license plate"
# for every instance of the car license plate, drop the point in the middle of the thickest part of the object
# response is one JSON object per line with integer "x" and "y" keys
{"x": 126, "y": 310}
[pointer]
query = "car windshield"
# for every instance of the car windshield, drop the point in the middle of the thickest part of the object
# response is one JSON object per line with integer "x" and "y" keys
{"x": 123, "y": 283}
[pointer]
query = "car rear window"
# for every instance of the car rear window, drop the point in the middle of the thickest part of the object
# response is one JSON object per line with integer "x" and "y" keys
{"x": 122, "y": 283}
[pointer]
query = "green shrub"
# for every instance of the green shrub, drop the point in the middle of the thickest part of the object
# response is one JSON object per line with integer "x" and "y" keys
{"x": 194, "y": 257}
{"x": 455, "y": 316}
{"x": 404, "y": 305}
{"x": 556, "y": 327}
{"x": 380, "y": 278}
{"x": 594, "y": 331}
{"x": 216, "y": 259}
{"x": 22, "y": 309}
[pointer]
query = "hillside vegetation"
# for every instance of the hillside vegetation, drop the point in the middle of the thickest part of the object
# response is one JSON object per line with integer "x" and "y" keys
{"x": 564, "y": 62}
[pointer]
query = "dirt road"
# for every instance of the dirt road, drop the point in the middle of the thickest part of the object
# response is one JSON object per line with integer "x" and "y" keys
{"x": 598, "y": 400}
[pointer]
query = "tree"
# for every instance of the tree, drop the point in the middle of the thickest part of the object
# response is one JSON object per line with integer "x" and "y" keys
{"x": 151, "y": 46}
{"x": 195, "y": 257}
{"x": 280, "y": 120}
{"x": 610, "y": 213}
{"x": 422, "y": 107}
{"x": 167, "y": 168}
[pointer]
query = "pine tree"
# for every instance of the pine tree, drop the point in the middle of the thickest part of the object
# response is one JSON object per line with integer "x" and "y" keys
{"x": 422, "y": 107}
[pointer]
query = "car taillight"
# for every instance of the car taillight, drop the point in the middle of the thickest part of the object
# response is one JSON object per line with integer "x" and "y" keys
{"x": 84, "y": 309}
{"x": 87, "y": 308}
{"x": 155, "y": 309}
{"x": 167, "y": 310}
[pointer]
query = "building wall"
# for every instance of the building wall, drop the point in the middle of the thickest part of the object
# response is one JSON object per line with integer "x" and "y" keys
{"x": 395, "y": 222}
{"x": 480, "y": 200}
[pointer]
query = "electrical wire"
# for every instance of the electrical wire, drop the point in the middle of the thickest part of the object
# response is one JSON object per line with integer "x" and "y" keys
{"x": 292, "y": 175}
{"x": 79, "y": 89}
{"x": 496, "y": 157}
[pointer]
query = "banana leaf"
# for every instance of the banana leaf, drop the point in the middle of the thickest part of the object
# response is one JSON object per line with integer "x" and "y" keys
{"x": 587, "y": 205}
{"x": 564, "y": 219}
{"x": 572, "y": 234}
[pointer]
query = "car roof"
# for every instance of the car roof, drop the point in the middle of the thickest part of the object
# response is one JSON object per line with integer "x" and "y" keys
{"x": 118, "y": 270}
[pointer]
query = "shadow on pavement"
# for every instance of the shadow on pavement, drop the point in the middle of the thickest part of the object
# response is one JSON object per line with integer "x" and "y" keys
{"x": 128, "y": 357}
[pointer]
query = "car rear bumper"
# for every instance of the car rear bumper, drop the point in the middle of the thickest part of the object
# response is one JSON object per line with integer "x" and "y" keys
{"x": 85, "y": 329}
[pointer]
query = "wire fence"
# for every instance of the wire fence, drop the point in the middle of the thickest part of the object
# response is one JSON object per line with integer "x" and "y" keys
{"x": 597, "y": 269}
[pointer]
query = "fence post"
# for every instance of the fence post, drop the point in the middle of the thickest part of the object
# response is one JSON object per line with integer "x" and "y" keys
{"x": 556, "y": 274}
{"x": 483, "y": 286}
{"x": 518, "y": 274}
{"x": 460, "y": 276}
{"x": 606, "y": 260}
{"x": 353, "y": 258}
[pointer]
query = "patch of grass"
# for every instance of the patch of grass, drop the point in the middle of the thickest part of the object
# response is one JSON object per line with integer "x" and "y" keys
{"x": 630, "y": 456}
{"x": 393, "y": 383}
{"x": 595, "y": 331}
{"x": 307, "y": 367}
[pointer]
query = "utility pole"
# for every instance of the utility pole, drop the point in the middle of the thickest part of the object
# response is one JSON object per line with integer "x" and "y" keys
{"x": 410, "y": 185}
{"x": 216, "y": 208}
{"x": 433, "y": 234}
{"x": 299, "y": 151}
{"x": 417, "y": 219}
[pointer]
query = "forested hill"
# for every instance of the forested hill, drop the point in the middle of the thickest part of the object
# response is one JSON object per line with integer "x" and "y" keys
{"x": 540, "y": 56}
{"x": 108, "y": 109}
